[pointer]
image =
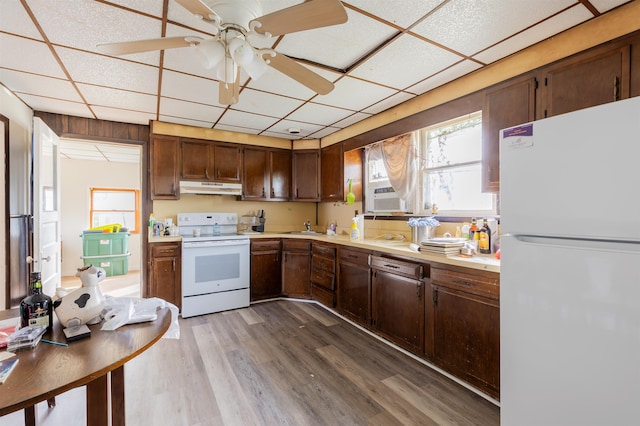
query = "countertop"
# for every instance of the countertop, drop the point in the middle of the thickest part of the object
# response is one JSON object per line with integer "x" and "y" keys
{"x": 482, "y": 262}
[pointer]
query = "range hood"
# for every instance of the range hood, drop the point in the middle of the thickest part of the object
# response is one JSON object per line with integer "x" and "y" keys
{"x": 210, "y": 188}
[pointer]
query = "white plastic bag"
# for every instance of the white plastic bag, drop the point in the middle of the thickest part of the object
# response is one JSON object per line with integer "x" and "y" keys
{"x": 119, "y": 311}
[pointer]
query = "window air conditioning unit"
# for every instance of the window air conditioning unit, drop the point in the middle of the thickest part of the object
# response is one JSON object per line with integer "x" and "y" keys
{"x": 384, "y": 200}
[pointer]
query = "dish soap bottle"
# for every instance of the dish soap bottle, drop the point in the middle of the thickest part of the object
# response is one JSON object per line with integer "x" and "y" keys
{"x": 354, "y": 235}
{"x": 37, "y": 308}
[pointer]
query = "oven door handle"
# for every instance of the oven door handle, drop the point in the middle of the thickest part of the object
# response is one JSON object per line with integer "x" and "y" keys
{"x": 219, "y": 243}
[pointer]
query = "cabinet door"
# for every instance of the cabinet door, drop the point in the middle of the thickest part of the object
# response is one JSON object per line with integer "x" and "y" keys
{"x": 227, "y": 163}
{"x": 354, "y": 292}
{"x": 280, "y": 178}
{"x": 265, "y": 270}
{"x": 254, "y": 171}
{"x": 165, "y": 154}
{"x": 295, "y": 274}
{"x": 353, "y": 170}
{"x": 398, "y": 309}
{"x": 165, "y": 272}
{"x": 505, "y": 106}
{"x": 332, "y": 173}
{"x": 467, "y": 337}
{"x": 587, "y": 80}
{"x": 196, "y": 160}
{"x": 306, "y": 168}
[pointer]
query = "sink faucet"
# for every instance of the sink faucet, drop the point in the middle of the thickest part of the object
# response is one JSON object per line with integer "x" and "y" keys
{"x": 307, "y": 225}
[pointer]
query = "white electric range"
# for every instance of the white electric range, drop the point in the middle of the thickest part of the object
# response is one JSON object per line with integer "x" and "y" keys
{"x": 215, "y": 263}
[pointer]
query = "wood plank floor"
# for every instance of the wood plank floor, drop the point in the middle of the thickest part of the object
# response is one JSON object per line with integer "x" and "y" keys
{"x": 280, "y": 362}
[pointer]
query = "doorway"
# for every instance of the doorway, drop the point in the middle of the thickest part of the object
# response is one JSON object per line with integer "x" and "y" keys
{"x": 88, "y": 164}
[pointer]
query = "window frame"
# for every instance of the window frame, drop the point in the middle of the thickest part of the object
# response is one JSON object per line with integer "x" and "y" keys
{"x": 136, "y": 211}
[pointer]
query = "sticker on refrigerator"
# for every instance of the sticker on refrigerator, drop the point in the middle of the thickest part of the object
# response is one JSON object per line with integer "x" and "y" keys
{"x": 518, "y": 137}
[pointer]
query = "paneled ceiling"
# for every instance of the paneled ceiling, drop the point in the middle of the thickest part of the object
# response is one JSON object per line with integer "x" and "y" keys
{"x": 388, "y": 52}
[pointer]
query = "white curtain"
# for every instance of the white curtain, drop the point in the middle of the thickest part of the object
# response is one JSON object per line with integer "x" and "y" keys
{"x": 400, "y": 159}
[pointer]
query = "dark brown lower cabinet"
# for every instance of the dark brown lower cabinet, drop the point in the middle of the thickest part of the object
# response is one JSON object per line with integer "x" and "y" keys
{"x": 296, "y": 267}
{"x": 398, "y": 309}
{"x": 354, "y": 285}
{"x": 323, "y": 273}
{"x": 165, "y": 273}
{"x": 464, "y": 332}
{"x": 266, "y": 269}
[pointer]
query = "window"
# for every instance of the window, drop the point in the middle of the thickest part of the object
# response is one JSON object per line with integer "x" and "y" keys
{"x": 451, "y": 156}
{"x": 110, "y": 206}
{"x": 448, "y": 162}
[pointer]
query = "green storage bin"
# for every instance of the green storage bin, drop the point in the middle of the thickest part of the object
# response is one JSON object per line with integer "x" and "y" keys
{"x": 112, "y": 265}
{"x": 105, "y": 244}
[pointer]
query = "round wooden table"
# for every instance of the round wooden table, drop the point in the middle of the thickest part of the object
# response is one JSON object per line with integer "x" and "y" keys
{"x": 49, "y": 370}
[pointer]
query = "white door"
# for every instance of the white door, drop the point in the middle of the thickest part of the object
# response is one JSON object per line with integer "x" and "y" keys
{"x": 46, "y": 206}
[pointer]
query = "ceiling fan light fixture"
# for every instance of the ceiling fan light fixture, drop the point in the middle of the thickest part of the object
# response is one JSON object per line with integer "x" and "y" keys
{"x": 211, "y": 52}
{"x": 241, "y": 51}
{"x": 257, "y": 67}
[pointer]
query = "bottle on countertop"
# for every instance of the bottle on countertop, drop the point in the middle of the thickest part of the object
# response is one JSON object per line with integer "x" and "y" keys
{"x": 484, "y": 240}
{"x": 216, "y": 229}
{"x": 473, "y": 230}
{"x": 354, "y": 234}
{"x": 37, "y": 308}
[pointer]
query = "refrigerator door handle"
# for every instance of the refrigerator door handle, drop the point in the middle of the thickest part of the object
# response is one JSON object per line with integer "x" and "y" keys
{"x": 578, "y": 243}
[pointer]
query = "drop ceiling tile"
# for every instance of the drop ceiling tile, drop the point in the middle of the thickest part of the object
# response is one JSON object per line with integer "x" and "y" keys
{"x": 468, "y": 26}
{"x": 190, "y": 110}
{"x": 548, "y": 28}
{"x": 110, "y": 72}
{"x": 606, "y": 5}
{"x": 14, "y": 19}
{"x": 399, "y": 12}
{"x": 305, "y": 128}
{"x": 404, "y": 63}
{"x": 33, "y": 84}
{"x": 389, "y": 102}
{"x": 189, "y": 88}
{"x": 122, "y": 115}
{"x": 319, "y": 114}
{"x": 114, "y": 98}
{"x": 92, "y": 23}
{"x": 450, "y": 74}
{"x": 40, "y": 60}
{"x": 354, "y": 94}
{"x": 244, "y": 119}
{"x": 324, "y": 132}
{"x": 145, "y": 6}
{"x": 39, "y": 103}
{"x": 186, "y": 121}
{"x": 338, "y": 46}
{"x": 265, "y": 103}
{"x": 118, "y": 149}
{"x": 352, "y": 119}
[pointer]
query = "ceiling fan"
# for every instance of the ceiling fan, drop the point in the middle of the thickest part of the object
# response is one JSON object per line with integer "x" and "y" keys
{"x": 236, "y": 23}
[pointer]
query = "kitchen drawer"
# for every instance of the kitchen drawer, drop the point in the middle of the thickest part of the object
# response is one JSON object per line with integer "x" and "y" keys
{"x": 353, "y": 256}
{"x": 323, "y": 250}
{"x": 265, "y": 245}
{"x": 399, "y": 267}
{"x": 323, "y": 264}
{"x": 481, "y": 285}
{"x": 296, "y": 245}
{"x": 324, "y": 279}
{"x": 324, "y": 296}
{"x": 165, "y": 250}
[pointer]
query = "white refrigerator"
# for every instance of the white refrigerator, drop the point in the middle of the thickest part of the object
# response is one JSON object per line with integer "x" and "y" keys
{"x": 570, "y": 269}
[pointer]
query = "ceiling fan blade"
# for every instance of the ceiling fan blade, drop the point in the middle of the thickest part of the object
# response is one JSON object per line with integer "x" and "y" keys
{"x": 199, "y": 9}
{"x": 305, "y": 16}
{"x": 229, "y": 93}
{"x": 128, "y": 47}
{"x": 303, "y": 75}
